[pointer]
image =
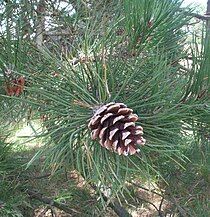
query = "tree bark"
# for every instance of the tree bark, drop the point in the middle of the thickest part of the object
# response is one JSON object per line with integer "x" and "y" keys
{"x": 208, "y": 21}
{"x": 25, "y": 18}
{"x": 40, "y": 24}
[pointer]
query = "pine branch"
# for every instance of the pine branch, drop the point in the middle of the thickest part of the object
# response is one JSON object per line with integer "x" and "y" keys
{"x": 38, "y": 196}
{"x": 118, "y": 209}
{"x": 199, "y": 16}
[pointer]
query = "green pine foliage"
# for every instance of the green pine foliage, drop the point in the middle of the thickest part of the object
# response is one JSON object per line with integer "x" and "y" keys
{"x": 132, "y": 53}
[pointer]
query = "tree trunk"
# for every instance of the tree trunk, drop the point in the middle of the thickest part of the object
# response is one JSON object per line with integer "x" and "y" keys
{"x": 40, "y": 26}
{"x": 208, "y": 21}
{"x": 25, "y": 18}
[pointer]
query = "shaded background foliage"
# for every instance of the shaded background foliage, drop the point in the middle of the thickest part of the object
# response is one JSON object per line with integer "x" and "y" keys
{"x": 78, "y": 55}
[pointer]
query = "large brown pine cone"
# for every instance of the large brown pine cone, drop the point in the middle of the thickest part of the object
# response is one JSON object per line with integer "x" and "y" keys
{"x": 114, "y": 125}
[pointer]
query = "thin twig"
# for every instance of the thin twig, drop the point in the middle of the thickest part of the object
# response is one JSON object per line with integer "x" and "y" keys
{"x": 160, "y": 206}
{"x": 43, "y": 212}
{"x": 52, "y": 212}
{"x": 146, "y": 189}
{"x": 199, "y": 16}
{"x": 41, "y": 176}
{"x": 154, "y": 192}
{"x": 146, "y": 201}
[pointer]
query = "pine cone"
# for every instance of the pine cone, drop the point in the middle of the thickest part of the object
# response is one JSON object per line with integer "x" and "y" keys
{"x": 114, "y": 125}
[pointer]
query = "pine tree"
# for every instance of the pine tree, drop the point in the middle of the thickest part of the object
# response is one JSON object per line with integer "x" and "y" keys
{"x": 84, "y": 75}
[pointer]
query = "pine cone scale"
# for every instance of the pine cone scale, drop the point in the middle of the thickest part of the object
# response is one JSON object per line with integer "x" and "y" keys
{"x": 105, "y": 117}
{"x": 102, "y": 132}
{"x": 121, "y": 117}
{"x": 113, "y": 108}
{"x": 125, "y": 134}
{"x": 112, "y": 133}
{"x": 127, "y": 141}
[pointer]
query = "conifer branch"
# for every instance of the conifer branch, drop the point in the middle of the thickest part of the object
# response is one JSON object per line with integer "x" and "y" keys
{"x": 47, "y": 200}
{"x": 118, "y": 209}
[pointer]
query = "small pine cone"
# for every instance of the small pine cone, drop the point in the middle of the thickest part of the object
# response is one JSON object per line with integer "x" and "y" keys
{"x": 114, "y": 125}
